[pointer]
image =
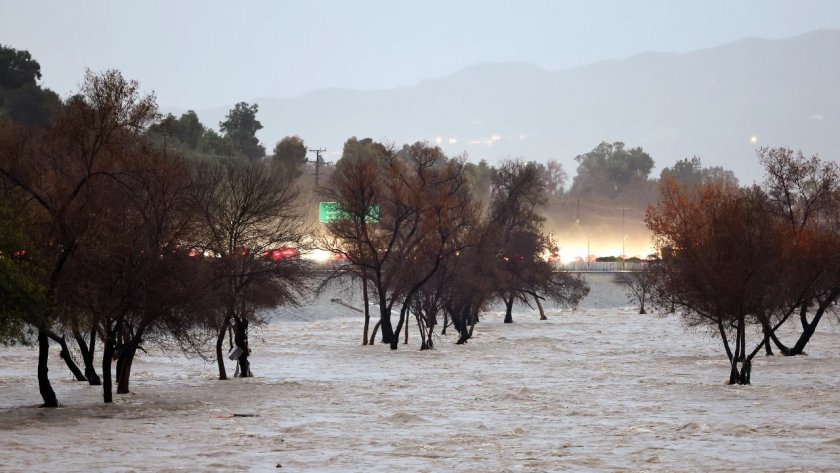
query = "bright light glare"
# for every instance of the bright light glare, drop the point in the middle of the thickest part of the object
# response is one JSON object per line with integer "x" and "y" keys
{"x": 318, "y": 255}
{"x": 753, "y": 139}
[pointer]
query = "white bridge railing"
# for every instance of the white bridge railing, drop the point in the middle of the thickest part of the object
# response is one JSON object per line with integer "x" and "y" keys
{"x": 602, "y": 267}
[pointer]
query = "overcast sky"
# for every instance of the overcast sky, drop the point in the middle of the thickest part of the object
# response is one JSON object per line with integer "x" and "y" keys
{"x": 199, "y": 54}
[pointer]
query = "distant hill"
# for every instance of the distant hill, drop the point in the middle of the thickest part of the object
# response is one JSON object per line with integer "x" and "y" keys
{"x": 707, "y": 103}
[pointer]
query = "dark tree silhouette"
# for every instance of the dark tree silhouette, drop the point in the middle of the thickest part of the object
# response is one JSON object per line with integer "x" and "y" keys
{"x": 240, "y": 128}
{"x": 246, "y": 211}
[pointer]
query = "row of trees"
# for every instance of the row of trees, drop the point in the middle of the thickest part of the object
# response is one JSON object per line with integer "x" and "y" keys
{"x": 109, "y": 238}
{"x": 417, "y": 236}
{"x": 121, "y": 228}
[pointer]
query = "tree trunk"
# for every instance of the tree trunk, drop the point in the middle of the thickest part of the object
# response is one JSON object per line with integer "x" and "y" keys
{"x": 741, "y": 376}
{"x": 420, "y": 328}
{"x": 746, "y": 368}
{"x": 808, "y": 329}
{"x": 107, "y": 357}
{"x": 87, "y": 356}
{"x": 642, "y": 299}
{"x": 124, "y": 371}
{"x": 804, "y": 338}
{"x": 385, "y": 321}
{"x": 459, "y": 321}
{"x": 367, "y": 307}
{"x": 405, "y": 341}
{"x": 372, "y": 338}
{"x": 765, "y": 330}
{"x": 65, "y": 355}
{"x": 725, "y": 340}
{"x": 220, "y": 339}
{"x": 445, "y": 323}
{"x": 540, "y": 307}
{"x": 44, "y": 386}
{"x": 395, "y": 340}
{"x": 508, "y": 309}
{"x": 768, "y": 350}
{"x": 240, "y": 337}
{"x": 734, "y": 376}
{"x": 427, "y": 331}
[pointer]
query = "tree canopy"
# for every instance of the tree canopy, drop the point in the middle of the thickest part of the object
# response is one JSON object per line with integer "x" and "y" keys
{"x": 609, "y": 168}
{"x": 17, "y": 68}
{"x": 690, "y": 172}
{"x": 240, "y": 127}
{"x": 21, "y": 98}
{"x": 290, "y": 155}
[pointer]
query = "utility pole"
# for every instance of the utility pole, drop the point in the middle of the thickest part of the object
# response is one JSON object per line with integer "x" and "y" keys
{"x": 318, "y": 161}
{"x": 623, "y": 233}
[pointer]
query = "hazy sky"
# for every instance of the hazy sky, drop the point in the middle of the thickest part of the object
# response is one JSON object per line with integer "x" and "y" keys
{"x": 199, "y": 54}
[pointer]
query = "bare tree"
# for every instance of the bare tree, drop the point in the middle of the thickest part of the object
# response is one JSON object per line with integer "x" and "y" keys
{"x": 520, "y": 269}
{"x": 247, "y": 211}
{"x": 638, "y": 285}
{"x": 358, "y": 188}
{"x": 424, "y": 206}
{"x": 803, "y": 191}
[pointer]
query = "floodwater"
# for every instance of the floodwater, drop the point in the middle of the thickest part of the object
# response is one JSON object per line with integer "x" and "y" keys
{"x": 599, "y": 388}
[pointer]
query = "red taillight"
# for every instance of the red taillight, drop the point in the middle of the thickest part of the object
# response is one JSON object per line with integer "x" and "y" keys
{"x": 283, "y": 253}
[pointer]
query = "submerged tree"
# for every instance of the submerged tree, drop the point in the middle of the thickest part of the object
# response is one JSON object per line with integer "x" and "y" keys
{"x": 250, "y": 223}
{"x": 638, "y": 285}
{"x": 520, "y": 269}
{"x": 467, "y": 289}
{"x": 402, "y": 215}
{"x": 803, "y": 192}
{"x": 59, "y": 169}
{"x": 356, "y": 187}
{"x": 722, "y": 257}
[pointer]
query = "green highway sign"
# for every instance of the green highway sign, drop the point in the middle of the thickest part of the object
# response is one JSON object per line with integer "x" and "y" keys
{"x": 332, "y": 212}
{"x": 329, "y": 212}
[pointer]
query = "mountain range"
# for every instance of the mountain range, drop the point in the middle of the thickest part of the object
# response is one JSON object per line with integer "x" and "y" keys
{"x": 720, "y": 104}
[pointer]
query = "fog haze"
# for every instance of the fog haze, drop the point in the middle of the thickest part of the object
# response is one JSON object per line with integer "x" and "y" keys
{"x": 537, "y": 79}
